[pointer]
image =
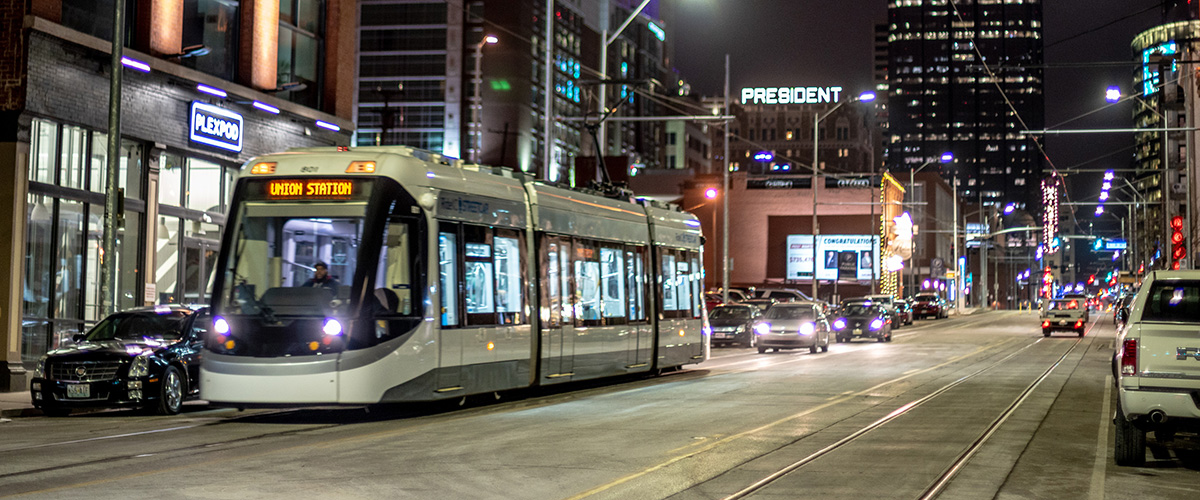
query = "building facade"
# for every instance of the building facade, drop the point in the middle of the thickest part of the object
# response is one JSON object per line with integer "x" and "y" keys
{"x": 965, "y": 77}
{"x": 205, "y": 86}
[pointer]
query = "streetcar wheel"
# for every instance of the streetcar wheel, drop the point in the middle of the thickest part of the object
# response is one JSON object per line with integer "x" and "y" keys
{"x": 170, "y": 394}
{"x": 1129, "y": 447}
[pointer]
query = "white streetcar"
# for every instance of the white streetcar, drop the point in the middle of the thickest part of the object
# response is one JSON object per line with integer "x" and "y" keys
{"x": 389, "y": 274}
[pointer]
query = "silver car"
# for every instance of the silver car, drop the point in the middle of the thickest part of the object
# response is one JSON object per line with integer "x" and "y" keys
{"x": 792, "y": 325}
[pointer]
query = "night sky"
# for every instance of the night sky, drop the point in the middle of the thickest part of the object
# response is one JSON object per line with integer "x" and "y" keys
{"x": 830, "y": 42}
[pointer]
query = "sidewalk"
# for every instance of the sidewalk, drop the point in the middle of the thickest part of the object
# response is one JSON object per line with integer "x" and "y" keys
{"x": 17, "y": 404}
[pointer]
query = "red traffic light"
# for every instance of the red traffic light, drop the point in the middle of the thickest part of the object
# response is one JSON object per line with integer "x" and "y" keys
{"x": 1179, "y": 253}
{"x": 1175, "y": 266}
{"x": 1176, "y": 238}
{"x": 1177, "y": 222}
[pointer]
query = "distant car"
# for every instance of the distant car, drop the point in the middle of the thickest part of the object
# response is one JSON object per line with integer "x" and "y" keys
{"x": 1157, "y": 364}
{"x": 716, "y": 298}
{"x": 792, "y": 325}
{"x": 1065, "y": 314}
{"x": 888, "y": 302}
{"x": 147, "y": 358}
{"x": 782, "y": 295}
{"x": 733, "y": 323}
{"x": 904, "y": 312}
{"x": 863, "y": 320}
{"x": 1121, "y": 310}
{"x": 929, "y": 304}
{"x": 761, "y": 304}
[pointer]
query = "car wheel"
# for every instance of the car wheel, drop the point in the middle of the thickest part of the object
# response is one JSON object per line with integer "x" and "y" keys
{"x": 761, "y": 349}
{"x": 55, "y": 412}
{"x": 812, "y": 349}
{"x": 1080, "y": 332}
{"x": 825, "y": 347}
{"x": 889, "y": 336}
{"x": 170, "y": 394}
{"x": 1129, "y": 447}
{"x": 1045, "y": 333}
{"x": 776, "y": 349}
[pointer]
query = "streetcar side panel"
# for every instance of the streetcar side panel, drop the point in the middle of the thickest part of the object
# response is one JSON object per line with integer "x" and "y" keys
{"x": 679, "y": 288}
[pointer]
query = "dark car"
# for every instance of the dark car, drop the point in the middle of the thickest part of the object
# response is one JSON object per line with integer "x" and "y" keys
{"x": 904, "y": 312}
{"x": 144, "y": 358}
{"x": 929, "y": 304}
{"x": 1121, "y": 310}
{"x": 863, "y": 320}
{"x": 733, "y": 323}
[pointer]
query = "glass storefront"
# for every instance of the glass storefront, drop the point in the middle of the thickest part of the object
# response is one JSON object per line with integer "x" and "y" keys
{"x": 65, "y": 232}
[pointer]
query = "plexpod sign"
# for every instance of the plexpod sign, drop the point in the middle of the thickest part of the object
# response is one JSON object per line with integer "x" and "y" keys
{"x": 216, "y": 127}
{"x": 790, "y": 95}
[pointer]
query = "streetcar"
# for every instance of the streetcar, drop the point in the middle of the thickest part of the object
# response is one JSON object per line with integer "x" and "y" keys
{"x": 440, "y": 279}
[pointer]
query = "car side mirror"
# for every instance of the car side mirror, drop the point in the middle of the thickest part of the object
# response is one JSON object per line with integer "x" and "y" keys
{"x": 78, "y": 337}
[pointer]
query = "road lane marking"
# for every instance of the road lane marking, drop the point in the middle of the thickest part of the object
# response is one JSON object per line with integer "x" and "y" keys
{"x": 733, "y": 437}
{"x": 1100, "y": 465}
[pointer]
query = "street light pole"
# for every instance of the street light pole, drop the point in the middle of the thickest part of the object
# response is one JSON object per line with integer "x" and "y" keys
{"x": 816, "y": 226}
{"x": 605, "y": 41}
{"x": 957, "y": 269}
{"x": 477, "y": 100}
{"x": 725, "y": 199}
{"x": 108, "y": 255}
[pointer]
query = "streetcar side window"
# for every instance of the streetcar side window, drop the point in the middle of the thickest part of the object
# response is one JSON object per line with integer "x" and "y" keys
{"x": 612, "y": 284}
{"x": 587, "y": 284}
{"x": 510, "y": 272}
{"x": 668, "y": 282}
{"x": 635, "y": 258}
{"x": 552, "y": 277}
{"x": 478, "y": 276}
{"x": 448, "y": 274}
{"x": 394, "y": 284}
{"x": 697, "y": 283}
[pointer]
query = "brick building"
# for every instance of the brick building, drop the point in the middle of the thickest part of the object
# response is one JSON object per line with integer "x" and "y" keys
{"x": 269, "y": 74}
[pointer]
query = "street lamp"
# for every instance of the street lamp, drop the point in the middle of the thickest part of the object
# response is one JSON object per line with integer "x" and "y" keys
{"x": 477, "y": 100}
{"x": 605, "y": 41}
{"x": 946, "y": 157}
{"x": 817, "y": 117}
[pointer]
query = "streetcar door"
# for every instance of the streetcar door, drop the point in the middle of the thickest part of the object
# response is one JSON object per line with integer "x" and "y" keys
{"x": 450, "y": 337}
{"x": 558, "y": 329}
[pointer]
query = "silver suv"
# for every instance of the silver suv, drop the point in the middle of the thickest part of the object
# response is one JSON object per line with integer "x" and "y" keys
{"x": 1157, "y": 364}
{"x": 1065, "y": 314}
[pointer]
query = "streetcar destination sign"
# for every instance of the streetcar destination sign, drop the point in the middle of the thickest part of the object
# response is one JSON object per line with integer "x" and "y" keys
{"x": 790, "y": 95}
{"x": 299, "y": 189}
{"x": 217, "y": 127}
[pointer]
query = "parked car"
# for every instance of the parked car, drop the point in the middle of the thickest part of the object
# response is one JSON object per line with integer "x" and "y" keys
{"x": 733, "y": 323}
{"x": 1121, "y": 310}
{"x": 888, "y": 302}
{"x": 782, "y": 295}
{"x": 1156, "y": 364}
{"x": 715, "y": 298}
{"x": 863, "y": 320}
{"x": 761, "y": 304}
{"x": 929, "y": 304}
{"x": 147, "y": 358}
{"x": 792, "y": 325}
{"x": 1064, "y": 314}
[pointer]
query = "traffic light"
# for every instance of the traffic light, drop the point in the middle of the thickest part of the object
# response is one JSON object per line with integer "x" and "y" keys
{"x": 1092, "y": 279}
{"x": 1178, "y": 252}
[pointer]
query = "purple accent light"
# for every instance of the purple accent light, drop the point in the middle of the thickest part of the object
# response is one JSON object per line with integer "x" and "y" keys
{"x": 266, "y": 107}
{"x": 328, "y": 126}
{"x": 135, "y": 64}
{"x": 211, "y": 90}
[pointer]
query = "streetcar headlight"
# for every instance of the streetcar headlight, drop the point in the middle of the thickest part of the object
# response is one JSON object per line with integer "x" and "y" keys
{"x": 140, "y": 367}
{"x": 332, "y": 327}
{"x": 839, "y": 324}
{"x": 807, "y": 329}
{"x": 762, "y": 328}
{"x": 220, "y": 326}
{"x": 877, "y": 324}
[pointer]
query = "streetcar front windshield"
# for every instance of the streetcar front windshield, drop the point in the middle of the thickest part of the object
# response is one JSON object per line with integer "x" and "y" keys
{"x": 293, "y": 259}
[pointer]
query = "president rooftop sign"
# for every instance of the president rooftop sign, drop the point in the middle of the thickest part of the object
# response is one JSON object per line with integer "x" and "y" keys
{"x": 790, "y": 95}
{"x": 217, "y": 127}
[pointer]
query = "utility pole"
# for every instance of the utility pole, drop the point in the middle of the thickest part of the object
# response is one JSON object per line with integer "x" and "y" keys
{"x": 108, "y": 261}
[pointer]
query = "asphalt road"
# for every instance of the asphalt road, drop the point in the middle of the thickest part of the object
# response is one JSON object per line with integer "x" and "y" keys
{"x": 975, "y": 407}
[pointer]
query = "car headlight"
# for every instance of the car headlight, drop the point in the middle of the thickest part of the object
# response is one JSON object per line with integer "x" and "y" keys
{"x": 877, "y": 324}
{"x": 740, "y": 329}
{"x": 839, "y": 324}
{"x": 807, "y": 329}
{"x": 39, "y": 370}
{"x": 140, "y": 367}
{"x": 762, "y": 328}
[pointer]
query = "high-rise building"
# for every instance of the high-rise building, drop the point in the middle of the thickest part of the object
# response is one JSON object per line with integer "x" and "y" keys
{"x": 964, "y": 77}
{"x": 417, "y": 74}
{"x": 205, "y": 86}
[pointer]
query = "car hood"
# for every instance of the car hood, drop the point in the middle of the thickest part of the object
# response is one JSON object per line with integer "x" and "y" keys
{"x": 861, "y": 317}
{"x": 728, "y": 322}
{"x": 107, "y": 349}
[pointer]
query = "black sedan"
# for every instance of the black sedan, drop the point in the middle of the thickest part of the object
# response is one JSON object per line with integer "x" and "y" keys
{"x": 144, "y": 358}
{"x": 733, "y": 323}
{"x": 863, "y": 320}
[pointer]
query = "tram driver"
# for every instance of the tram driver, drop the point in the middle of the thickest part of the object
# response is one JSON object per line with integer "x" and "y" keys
{"x": 322, "y": 279}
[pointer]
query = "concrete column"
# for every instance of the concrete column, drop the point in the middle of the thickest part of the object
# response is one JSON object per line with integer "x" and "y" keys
{"x": 258, "y": 39}
{"x": 160, "y": 26}
{"x": 340, "y": 39}
{"x": 149, "y": 262}
{"x": 14, "y": 161}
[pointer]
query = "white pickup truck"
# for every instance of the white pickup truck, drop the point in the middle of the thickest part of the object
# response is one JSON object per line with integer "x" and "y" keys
{"x": 1157, "y": 364}
{"x": 1065, "y": 314}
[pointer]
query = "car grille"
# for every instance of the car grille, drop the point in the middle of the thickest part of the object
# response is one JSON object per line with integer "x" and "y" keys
{"x": 84, "y": 371}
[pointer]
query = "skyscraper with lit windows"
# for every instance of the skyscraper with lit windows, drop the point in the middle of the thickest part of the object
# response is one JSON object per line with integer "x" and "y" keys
{"x": 966, "y": 77}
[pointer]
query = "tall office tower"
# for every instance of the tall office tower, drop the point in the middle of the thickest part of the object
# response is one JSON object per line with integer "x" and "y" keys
{"x": 965, "y": 77}
{"x": 880, "y": 77}
{"x": 419, "y": 61}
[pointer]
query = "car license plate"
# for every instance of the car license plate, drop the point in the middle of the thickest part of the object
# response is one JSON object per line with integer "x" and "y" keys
{"x": 79, "y": 391}
{"x": 858, "y": 331}
{"x": 718, "y": 335}
{"x": 1062, "y": 322}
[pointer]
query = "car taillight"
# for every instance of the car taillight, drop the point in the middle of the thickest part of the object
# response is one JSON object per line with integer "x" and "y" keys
{"x": 1129, "y": 357}
{"x": 1045, "y": 324}
{"x": 1078, "y": 323}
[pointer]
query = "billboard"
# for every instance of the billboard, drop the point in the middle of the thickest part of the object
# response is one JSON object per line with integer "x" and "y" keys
{"x": 840, "y": 256}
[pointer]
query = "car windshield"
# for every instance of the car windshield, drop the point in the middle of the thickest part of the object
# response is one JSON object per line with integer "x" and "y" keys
{"x": 140, "y": 327}
{"x": 730, "y": 313}
{"x": 858, "y": 310}
{"x": 783, "y": 312}
{"x": 1059, "y": 305}
{"x": 1175, "y": 301}
{"x": 926, "y": 298}
{"x": 761, "y": 305}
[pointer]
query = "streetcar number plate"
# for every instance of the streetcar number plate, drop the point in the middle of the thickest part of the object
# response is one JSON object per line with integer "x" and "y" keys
{"x": 79, "y": 391}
